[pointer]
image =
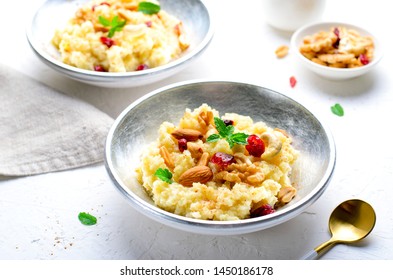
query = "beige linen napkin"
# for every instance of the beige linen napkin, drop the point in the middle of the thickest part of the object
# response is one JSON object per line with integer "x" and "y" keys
{"x": 42, "y": 130}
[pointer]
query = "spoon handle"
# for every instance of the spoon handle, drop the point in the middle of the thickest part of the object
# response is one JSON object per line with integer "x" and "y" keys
{"x": 312, "y": 255}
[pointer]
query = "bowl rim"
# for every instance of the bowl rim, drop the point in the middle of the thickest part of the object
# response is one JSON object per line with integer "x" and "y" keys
{"x": 302, "y": 31}
{"x": 209, "y": 226}
{"x": 72, "y": 70}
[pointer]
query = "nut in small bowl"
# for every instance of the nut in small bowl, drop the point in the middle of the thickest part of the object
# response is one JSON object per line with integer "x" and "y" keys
{"x": 336, "y": 50}
{"x": 131, "y": 135}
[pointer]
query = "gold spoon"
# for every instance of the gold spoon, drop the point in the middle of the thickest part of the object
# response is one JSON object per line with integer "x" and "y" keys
{"x": 351, "y": 221}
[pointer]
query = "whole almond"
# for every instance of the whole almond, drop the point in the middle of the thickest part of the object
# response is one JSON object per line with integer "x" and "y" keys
{"x": 188, "y": 134}
{"x": 196, "y": 174}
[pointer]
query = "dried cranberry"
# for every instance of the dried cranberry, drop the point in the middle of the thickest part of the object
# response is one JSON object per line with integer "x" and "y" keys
{"x": 222, "y": 159}
{"x": 178, "y": 29}
{"x": 292, "y": 81}
{"x": 336, "y": 44}
{"x": 149, "y": 23}
{"x": 142, "y": 67}
{"x": 336, "y": 32}
{"x": 264, "y": 210}
{"x": 107, "y": 41}
{"x": 182, "y": 144}
{"x": 255, "y": 145}
{"x": 228, "y": 122}
{"x": 99, "y": 68}
{"x": 363, "y": 59}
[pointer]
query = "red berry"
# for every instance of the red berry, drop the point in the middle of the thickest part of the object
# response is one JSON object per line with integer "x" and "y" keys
{"x": 142, "y": 67}
{"x": 255, "y": 145}
{"x": 336, "y": 32}
{"x": 182, "y": 144}
{"x": 222, "y": 159}
{"x": 264, "y": 210}
{"x": 228, "y": 122}
{"x": 107, "y": 41}
{"x": 363, "y": 59}
{"x": 149, "y": 23}
{"x": 99, "y": 68}
{"x": 292, "y": 81}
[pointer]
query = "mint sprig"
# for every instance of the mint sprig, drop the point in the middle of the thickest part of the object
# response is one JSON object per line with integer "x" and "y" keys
{"x": 226, "y": 132}
{"x": 148, "y": 8}
{"x": 164, "y": 174}
{"x": 115, "y": 24}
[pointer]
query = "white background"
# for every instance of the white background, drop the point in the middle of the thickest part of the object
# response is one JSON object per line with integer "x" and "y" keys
{"x": 38, "y": 214}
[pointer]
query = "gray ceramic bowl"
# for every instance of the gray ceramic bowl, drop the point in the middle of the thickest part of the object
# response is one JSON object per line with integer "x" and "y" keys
{"x": 138, "y": 124}
{"x": 55, "y": 13}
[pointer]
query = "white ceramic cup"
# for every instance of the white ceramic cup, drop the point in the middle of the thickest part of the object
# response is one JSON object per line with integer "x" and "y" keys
{"x": 289, "y": 15}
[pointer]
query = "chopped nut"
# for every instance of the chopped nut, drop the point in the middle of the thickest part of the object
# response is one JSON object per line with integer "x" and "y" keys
{"x": 256, "y": 178}
{"x": 286, "y": 194}
{"x": 230, "y": 177}
{"x": 204, "y": 160}
{"x": 282, "y": 51}
{"x": 195, "y": 149}
{"x": 273, "y": 144}
{"x": 167, "y": 157}
{"x": 207, "y": 117}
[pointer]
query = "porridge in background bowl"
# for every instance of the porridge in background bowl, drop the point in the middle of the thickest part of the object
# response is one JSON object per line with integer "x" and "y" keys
{"x": 120, "y": 36}
{"x": 52, "y": 14}
{"x": 218, "y": 168}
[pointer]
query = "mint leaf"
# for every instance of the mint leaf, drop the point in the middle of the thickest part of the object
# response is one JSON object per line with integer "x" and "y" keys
{"x": 164, "y": 175}
{"x": 148, "y": 8}
{"x": 337, "y": 110}
{"x": 115, "y": 24}
{"x": 213, "y": 138}
{"x": 226, "y": 132}
{"x": 230, "y": 142}
{"x": 221, "y": 127}
{"x": 104, "y": 21}
{"x": 87, "y": 219}
{"x": 239, "y": 138}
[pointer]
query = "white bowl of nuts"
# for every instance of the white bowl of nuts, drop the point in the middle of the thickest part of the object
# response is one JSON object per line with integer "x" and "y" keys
{"x": 336, "y": 50}
{"x": 219, "y": 157}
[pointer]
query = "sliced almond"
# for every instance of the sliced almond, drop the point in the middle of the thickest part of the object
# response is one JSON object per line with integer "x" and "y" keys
{"x": 188, "y": 134}
{"x": 204, "y": 160}
{"x": 167, "y": 157}
{"x": 196, "y": 174}
{"x": 202, "y": 123}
